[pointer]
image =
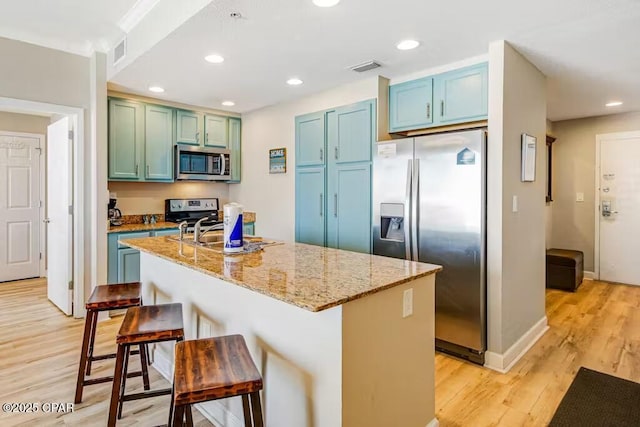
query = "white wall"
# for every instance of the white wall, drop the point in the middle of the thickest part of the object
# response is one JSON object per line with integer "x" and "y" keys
{"x": 516, "y": 240}
{"x": 272, "y": 196}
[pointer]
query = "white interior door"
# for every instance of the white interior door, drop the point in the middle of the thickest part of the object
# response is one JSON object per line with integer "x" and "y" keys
{"x": 19, "y": 206}
{"x": 619, "y": 210}
{"x": 59, "y": 217}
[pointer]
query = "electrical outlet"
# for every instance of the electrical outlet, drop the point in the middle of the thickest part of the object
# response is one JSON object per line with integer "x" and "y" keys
{"x": 407, "y": 303}
{"x": 514, "y": 204}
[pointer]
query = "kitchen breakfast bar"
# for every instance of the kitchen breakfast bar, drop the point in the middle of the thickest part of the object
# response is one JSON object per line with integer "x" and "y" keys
{"x": 340, "y": 338}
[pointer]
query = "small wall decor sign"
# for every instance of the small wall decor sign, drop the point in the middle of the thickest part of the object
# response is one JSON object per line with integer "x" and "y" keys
{"x": 278, "y": 160}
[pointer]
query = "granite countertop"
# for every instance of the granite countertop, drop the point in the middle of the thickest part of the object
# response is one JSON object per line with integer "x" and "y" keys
{"x": 247, "y": 217}
{"x": 311, "y": 277}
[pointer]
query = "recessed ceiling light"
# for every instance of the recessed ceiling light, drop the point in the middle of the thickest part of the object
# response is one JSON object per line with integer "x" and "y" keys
{"x": 228, "y": 103}
{"x": 156, "y": 89}
{"x": 326, "y": 3}
{"x": 408, "y": 44}
{"x": 613, "y": 104}
{"x": 214, "y": 59}
{"x": 294, "y": 81}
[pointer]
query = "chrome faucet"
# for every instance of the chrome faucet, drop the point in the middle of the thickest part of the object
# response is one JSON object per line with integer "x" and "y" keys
{"x": 182, "y": 227}
{"x": 197, "y": 232}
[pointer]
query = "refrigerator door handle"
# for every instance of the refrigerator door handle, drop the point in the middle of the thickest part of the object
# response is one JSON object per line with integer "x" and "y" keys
{"x": 415, "y": 214}
{"x": 407, "y": 212}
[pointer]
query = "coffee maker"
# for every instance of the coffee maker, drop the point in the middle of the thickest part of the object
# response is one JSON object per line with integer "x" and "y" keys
{"x": 115, "y": 216}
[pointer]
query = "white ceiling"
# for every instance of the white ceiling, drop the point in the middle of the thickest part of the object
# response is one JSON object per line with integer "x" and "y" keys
{"x": 587, "y": 48}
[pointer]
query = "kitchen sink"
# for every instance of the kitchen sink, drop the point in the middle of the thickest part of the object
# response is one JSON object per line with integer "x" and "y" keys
{"x": 210, "y": 239}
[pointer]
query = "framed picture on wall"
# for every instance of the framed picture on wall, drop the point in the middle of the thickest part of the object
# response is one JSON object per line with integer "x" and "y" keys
{"x": 528, "y": 158}
{"x": 278, "y": 160}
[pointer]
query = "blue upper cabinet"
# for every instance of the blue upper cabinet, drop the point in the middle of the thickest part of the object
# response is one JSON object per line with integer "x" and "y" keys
{"x": 411, "y": 105}
{"x": 350, "y": 135}
{"x": 310, "y": 205}
{"x": 462, "y": 95}
{"x": 310, "y": 147}
{"x": 216, "y": 131}
{"x": 126, "y": 139}
{"x": 158, "y": 143}
{"x": 189, "y": 127}
{"x": 453, "y": 97}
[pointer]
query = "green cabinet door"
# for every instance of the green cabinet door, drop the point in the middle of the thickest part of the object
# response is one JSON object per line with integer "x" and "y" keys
{"x": 158, "y": 143}
{"x": 128, "y": 265}
{"x": 216, "y": 131}
{"x": 350, "y": 135}
{"x": 349, "y": 207}
{"x": 126, "y": 135}
{"x": 310, "y": 205}
{"x": 189, "y": 127}
{"x": 411, "y": 105}
{"x": 310, "y": 139}
{"x": 249, "y": 229}
{"x": 235, "y": 136}
{"x": 462, "y": 95}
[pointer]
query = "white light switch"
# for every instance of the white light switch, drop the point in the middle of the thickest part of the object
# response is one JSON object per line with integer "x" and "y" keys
{"x": 579, "y": 197}
{"x": 514, "y": 204}
{"x": 407, "y": 303}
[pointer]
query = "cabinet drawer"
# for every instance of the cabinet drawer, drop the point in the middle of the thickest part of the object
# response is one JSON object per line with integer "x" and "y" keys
{"x": 131, "y": 236}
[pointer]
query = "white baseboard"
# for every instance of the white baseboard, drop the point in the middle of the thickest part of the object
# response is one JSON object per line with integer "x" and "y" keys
{"x": 504, "y": 362}
{"x": 589, "y": 275}
{"x": 215, "y": 412}
{"x": 433, "y": 423}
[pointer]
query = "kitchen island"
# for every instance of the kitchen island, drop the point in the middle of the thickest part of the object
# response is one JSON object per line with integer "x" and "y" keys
{"x": 327, "y": 328}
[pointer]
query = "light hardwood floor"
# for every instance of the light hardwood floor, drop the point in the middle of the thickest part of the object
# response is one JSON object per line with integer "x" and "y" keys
{"x": 598, "y": 327}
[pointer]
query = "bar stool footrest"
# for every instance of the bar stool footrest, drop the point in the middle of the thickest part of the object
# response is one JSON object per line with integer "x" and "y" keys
{"x": 145, "y": 394}
{"x": 109, "y": 356}
{"x": 108, "y": 379}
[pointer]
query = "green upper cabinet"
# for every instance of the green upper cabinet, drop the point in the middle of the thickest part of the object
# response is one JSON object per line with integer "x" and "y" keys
{"x": 189, "y": 127}
{"x": 158, "y": 143}
{"x": 310, "y": 138}
{"x": 216, "y": 131}
{"x": 462, "y": 94}
{"x": 453, "y": 97}
{"x": 126, "y": 139}
{"x": 411, "y": 105}
{"x": 350, "y": 135}
{"x": 236, "y": 152}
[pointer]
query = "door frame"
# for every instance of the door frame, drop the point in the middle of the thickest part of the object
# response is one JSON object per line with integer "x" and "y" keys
{"x": 42, "y": 272}
{"x": 76, "y": 118}
{"x": 599, "y": 139}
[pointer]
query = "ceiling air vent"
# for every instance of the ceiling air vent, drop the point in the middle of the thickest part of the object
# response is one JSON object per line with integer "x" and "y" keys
{"x": 120, "y": 51}
{"x": 365, "y": 66}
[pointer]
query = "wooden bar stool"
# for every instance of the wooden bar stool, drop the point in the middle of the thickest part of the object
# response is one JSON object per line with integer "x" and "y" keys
{"x": 103, "y": 298}
{"x": 142, "y": 325}
{"x": 211, "y": 369}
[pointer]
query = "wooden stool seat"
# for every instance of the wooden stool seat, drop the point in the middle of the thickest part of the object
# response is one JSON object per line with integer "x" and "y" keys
{"x": 151, "y": 323}
{"x": 142, "y": 325}
{"x": 215, "y": 368}
{"x": 103, "y": 298}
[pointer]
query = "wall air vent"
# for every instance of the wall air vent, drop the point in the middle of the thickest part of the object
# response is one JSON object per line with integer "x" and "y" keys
{"x": 365, "y": 66}
{"x": 120, "y": 51}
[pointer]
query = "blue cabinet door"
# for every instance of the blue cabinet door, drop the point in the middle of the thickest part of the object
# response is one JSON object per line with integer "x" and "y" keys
{"x": 310, "y": 205}
{"x": 249, "y": 229}
{"x": 411, "y": 105}
{"x": 167, "y": 232}
{"x": 216, "y": 131}
{"x": 462, "y": 95}
{"x": 158, "y": 143}
{"x": 350, "y": 133}
{"x": 235, "y": 147}
{"x": 128, "y": 265}
{"x": 126, "y": 136}
{"x": 189, "y": 127}
{"x": 349, "y": 207}
{"x": 310, "y": 139}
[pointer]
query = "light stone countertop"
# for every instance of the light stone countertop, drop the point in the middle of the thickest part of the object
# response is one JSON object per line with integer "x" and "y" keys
{"x": 247, "y": 217}
{"x": 311, "y": 277}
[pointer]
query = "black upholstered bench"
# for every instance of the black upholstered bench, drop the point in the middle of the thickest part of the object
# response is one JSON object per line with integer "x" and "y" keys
{"x": 564, "y": 269}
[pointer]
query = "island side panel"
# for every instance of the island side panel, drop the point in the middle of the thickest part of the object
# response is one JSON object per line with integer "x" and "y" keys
{"x": 388, "y": 360}
{"x": 297, "y": 351}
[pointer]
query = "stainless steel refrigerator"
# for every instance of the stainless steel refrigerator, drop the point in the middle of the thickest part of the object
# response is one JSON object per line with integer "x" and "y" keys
{"x": 429, "y": 205}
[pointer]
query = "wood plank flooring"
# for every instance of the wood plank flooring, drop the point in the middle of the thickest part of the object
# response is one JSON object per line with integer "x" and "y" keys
{"x": 598, "y": 327}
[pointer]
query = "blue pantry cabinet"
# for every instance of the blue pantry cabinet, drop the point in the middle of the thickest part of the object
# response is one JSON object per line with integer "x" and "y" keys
{"x": 453, "y": 97}
{"x": 333, "y": 196}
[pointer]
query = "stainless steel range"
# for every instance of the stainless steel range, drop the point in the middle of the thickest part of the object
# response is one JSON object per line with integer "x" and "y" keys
{"x": 193, "y": 210}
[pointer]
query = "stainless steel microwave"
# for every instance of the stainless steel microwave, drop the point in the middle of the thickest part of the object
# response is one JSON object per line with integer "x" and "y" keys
{"x": 202, "y": 163}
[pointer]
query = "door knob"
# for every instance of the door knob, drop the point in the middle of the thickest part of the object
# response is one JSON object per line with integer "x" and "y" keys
{"x": 46, "y": 220}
